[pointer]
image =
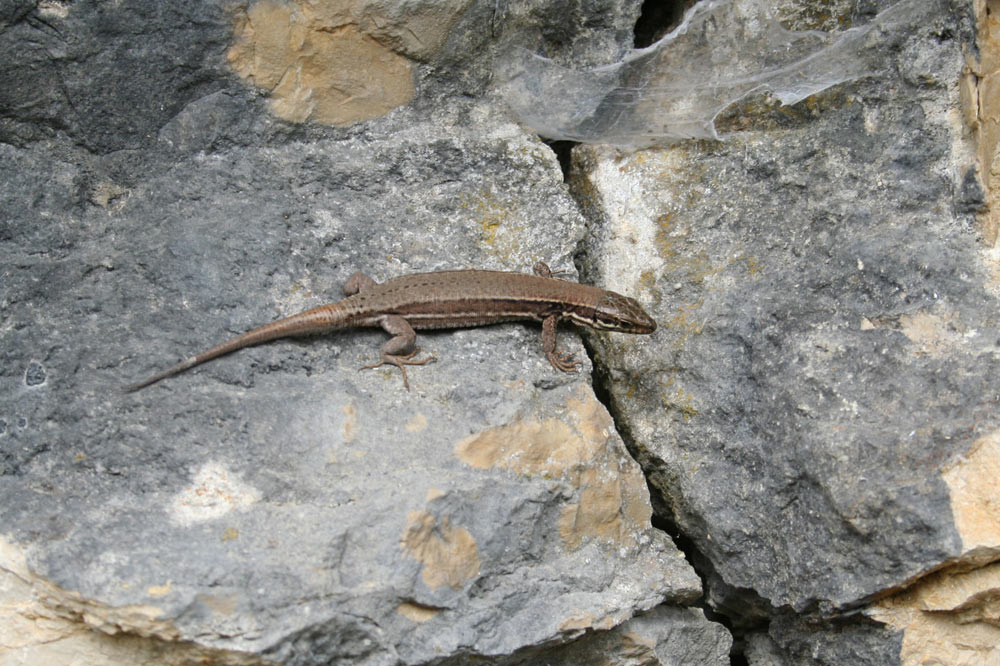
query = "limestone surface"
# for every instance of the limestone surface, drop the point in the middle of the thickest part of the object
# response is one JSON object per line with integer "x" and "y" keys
{"x": 175, "y": 174}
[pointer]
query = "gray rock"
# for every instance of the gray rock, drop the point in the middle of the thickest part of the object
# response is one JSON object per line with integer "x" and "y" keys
{"x": 827, "y": 347}
{"x": 277, "y": 505}
{"x": 110, "y": 76}
{"x": 855, "y": 640}
{"x": 662, "y": 637}
{"x": 826, "y": 356}
{"x": 278, "y": 501}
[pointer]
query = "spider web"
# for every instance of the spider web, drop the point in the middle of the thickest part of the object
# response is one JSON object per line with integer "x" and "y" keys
{"x": 723, "y": 51}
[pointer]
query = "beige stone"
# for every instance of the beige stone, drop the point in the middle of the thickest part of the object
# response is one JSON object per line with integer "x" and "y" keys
{"x": 42, "y": 624}
{"x": 449, "y": 554}
{"x": 950, "y": 617}
{"x": 417, "y": 612}
{"x": 414, "y": 28}
{"x": 318, "y": 66}
{"x": 612, "y": 501}
{"x": 981, "y": 100}
{"x": 953, "y": 615}
{"x": 974, "y": 484}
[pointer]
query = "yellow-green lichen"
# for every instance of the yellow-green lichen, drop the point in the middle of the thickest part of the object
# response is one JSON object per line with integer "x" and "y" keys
{"x": 675, "y": 398}
{"x": 494, "y": 216}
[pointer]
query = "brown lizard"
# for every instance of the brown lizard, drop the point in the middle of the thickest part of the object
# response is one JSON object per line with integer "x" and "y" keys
{"x": 447, "y": 299}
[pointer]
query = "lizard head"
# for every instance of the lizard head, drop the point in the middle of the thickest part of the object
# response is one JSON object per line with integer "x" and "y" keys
{"x": 620, "y": 313}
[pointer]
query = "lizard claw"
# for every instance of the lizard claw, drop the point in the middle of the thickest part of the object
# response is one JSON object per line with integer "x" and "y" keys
{"x": 563, "y": 362}
{"x": 400, "y": 361}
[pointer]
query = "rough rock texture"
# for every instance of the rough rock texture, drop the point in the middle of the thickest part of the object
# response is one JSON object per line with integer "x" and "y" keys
{"x": 818, "y": 411}
{"x": 170, "y": 179}
{"x": 816, "y": 415}
{"x": 790, "y": 641}
{"x": 980, "y": 98}
{"x": 662, "y": 637}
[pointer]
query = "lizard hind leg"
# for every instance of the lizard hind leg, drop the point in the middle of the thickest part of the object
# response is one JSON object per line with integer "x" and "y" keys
{"x": 358, "y": 282}
{"x": 399, "y": 350}
{"x": 400, "y": 361}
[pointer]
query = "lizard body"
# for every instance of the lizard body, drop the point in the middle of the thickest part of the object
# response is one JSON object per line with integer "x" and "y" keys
{"x": 446, "y": 299}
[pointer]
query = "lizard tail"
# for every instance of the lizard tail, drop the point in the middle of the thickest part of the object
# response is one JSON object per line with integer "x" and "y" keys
{"x": 170, "y": 372}
{"x": 317, "y": 320}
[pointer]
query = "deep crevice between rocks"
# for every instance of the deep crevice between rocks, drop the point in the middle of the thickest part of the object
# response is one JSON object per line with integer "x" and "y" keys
{"x": 702, "y": 566}
{"x": 657, "y": 18}
{"x": 564, "y": 154}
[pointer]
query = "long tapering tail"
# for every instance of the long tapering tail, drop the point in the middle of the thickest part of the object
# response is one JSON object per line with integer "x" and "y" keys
{"x": 318, "y": 320}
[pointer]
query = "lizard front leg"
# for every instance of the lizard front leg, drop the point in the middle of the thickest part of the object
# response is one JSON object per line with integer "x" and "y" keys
{"x": 541, "y": 269}
{"x": 559, "y": 361}
{"x": 399, "y": 350}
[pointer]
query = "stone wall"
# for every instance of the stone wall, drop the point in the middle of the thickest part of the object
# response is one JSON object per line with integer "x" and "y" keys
{"x": 798, "y": 467}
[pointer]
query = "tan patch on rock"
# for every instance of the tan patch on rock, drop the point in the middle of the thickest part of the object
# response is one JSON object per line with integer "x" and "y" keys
{"x": 158, "y": 590}
{"x": 637, "y": 652}
{"x": 608, "y": 622}
{"x": 417, "y": 612}
{"x": 597, "y": 514}
{"x": 41, "y": 623}
{"x": 317, "y": 65}
{"x": 980, "y": 100}
{"x": 224, "y": 604}
{"x": 581, "y": 621}
{"x": 414, "y": 29}
{"x": 974, "y": 484}
{"x": 580, "y": 448}
{"x": 449, "y": 554}
{"x": 633, "y": 640}
{"x": 931, "y": 333}
{"x": 417, "y": 424}
{"x": 541, "y": 448}
{"x": 350, "y": 422}
{"x": 578, "y": 621}
{"x": 934, "y": 334}
{"x": 535, "y": 448}
{"x": 951, "y": 617}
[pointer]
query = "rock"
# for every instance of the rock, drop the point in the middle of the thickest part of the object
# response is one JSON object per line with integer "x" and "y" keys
{"x": 816, "y": 414}
{"x": 826, "y": 368}
{"x": 278, "y": 505}
{"x": 663, "y": 636}
{"x": 278, "y": 502}
{"x": 853, "y": 640}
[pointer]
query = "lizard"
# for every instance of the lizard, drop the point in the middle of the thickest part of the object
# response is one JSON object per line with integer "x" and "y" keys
{"x": 446, "y": 299}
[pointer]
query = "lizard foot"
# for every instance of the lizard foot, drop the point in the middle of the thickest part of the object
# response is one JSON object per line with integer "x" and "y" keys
{"x": 400, "y": 361}
{"x": 563, "y": 362}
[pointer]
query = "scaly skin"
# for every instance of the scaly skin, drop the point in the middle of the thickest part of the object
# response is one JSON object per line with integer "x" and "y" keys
{"x": 446, "y": 299}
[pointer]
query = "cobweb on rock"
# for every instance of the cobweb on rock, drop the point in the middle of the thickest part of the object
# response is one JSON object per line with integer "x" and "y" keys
{"x": 723, "y": 51}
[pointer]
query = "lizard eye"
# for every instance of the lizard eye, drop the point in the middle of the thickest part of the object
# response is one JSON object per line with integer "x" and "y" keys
{"x": 620, "y": 313}
{"x": 605, "y": 321}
